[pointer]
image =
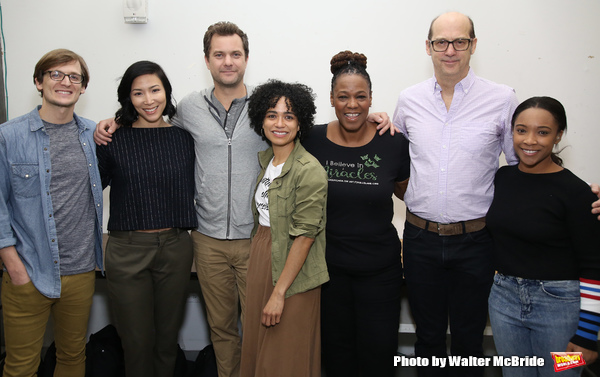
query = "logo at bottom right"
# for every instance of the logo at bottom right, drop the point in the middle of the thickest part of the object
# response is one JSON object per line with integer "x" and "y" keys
{"x": 567, "y": 360}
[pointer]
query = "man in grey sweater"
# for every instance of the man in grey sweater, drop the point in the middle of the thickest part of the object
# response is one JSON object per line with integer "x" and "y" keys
{"x": 226, "y": 171}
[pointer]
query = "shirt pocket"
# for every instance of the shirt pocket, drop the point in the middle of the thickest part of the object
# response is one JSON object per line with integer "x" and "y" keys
{"x": 284, "y": 201}
{"x": 25, "y": 179}
{"x": 477, "y": 137}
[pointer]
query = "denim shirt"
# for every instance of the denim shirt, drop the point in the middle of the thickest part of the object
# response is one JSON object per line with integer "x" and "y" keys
{"x": 297, "y": 207}
{"x": 26, "y": 213}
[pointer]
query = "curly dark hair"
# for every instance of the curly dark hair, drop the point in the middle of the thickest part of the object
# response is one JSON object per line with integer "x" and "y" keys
{"x": 348, "y": 62}
{"x": 300, "y": 100}
{"x": 127, "y": 115}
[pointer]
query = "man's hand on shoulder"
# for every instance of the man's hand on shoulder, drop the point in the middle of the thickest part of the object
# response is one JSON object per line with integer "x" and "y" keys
{"x": 383, "y": 123}
{"x": 104, "y": 131}
{"x": 596, "y": 204}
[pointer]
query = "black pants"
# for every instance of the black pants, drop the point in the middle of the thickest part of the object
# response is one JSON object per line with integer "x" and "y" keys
{"x": 360, "y": 316}
{"x": 448, "y": 280}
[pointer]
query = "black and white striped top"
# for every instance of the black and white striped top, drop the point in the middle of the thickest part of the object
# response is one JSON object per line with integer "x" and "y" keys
{"x": 151, "y": 174}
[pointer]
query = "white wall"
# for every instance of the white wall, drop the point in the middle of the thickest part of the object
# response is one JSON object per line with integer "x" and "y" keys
{"x": 539, "y": 47}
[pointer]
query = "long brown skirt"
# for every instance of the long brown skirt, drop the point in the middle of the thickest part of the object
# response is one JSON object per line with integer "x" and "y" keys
{"x": 293, "y": 346}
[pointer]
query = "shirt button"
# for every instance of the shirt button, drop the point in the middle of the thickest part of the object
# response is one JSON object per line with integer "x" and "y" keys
{"x": 90, "y": 164}
{"x": 26, "y": 175}
{"x": 84, "y": 144}
{"x": 53, "y": 240}
{"x": 47, "y": 170}
{"x": 50, "y": 215}
{"x": 55, "y": 262}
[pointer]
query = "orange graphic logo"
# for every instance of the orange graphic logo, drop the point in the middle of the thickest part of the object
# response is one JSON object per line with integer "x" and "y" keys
{"x": 567, "y": 360}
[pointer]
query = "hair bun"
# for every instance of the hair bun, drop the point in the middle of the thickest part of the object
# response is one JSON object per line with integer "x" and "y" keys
{"x": 344, "y": 58}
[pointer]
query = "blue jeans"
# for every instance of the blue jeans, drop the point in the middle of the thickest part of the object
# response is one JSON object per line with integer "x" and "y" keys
{"x": 448, "y": 280}
{"x": 533, "y": 318}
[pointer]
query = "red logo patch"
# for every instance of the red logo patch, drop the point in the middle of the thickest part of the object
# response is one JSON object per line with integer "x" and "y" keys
{"x": 567, "y": 360}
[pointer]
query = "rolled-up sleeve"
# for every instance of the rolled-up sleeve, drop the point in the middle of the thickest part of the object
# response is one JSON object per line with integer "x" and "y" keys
{"x": 308, "y": 217}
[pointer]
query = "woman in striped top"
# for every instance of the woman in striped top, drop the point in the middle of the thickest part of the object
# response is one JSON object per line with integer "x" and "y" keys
{"x": 150, "y": 168}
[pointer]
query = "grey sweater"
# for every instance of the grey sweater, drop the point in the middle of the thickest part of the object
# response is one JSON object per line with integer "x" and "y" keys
{"x": 226, "y": 168}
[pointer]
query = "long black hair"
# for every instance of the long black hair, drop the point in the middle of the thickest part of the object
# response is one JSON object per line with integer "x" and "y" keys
{"x": 127, "y": 115}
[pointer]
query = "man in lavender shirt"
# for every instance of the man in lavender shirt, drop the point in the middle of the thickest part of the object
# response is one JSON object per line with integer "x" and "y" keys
{"x": 457, "y": 125}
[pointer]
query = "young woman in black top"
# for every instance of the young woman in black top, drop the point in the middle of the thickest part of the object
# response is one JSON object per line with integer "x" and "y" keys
{"x": 150, "y": 168}
{"x": 546, "y": 294}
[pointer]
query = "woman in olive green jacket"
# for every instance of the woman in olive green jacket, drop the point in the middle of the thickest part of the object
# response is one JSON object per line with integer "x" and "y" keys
{"x": 287, "y": 259}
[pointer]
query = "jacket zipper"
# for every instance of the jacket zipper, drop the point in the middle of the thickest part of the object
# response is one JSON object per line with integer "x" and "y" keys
{"x": 228, "y": 186}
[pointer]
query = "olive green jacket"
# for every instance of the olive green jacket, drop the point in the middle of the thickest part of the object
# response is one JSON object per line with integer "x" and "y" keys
{"x": 297, "y": 207}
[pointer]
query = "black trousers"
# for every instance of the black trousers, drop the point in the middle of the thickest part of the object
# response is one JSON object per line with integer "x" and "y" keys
{"x": 360, "y": 316}
{"x": 448, "y": 279}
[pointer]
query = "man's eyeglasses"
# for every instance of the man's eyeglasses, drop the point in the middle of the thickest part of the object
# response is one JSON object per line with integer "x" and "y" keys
{"x": 59, "y": 76}
{"x": 460, "y": 44}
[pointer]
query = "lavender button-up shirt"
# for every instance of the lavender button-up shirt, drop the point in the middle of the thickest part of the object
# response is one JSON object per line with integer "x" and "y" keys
{"x": 454, "y": 153}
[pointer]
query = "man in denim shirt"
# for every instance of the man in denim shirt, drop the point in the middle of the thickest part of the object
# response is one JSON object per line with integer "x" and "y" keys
{"x": 50, "y": 220}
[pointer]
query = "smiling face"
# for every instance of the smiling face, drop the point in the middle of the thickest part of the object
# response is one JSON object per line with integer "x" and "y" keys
{"x": 62, "y": 93}
{"x": 451, "y": 64}
{"x": 534, "y": 135}
{"x": 226, "y": 60}
{"x": 149, "y": 100}
{"x": 351, "y": 98}
{"x": 281, "y": 125}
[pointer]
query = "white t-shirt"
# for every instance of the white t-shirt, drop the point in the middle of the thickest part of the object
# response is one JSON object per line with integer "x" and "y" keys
{"x": 261, "y": 197}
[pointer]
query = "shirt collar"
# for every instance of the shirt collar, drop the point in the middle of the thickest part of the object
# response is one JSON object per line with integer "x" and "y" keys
{"x": 464, "y": 84}
{"x": 37, "y": 124}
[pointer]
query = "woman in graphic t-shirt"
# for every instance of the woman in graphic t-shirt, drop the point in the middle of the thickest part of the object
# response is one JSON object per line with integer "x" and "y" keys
{"x": 360, "y": 306}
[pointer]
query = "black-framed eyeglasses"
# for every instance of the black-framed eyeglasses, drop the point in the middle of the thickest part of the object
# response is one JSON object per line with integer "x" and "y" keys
{"x": 59, "y": 76}
{"x": 460, "y": 44}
